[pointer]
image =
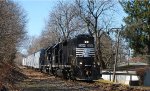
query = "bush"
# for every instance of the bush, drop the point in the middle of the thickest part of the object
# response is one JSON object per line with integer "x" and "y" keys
{"x": 12, "y": 33}
{"x": 141, "y": 72}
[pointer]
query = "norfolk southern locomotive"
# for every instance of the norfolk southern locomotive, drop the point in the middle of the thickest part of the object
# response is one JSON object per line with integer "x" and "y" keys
{"x": 71, "y": 59}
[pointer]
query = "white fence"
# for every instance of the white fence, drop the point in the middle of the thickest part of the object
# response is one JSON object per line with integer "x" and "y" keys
{"x": 123, "y": 77}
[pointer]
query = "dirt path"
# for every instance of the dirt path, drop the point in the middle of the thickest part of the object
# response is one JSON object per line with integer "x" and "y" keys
{"x": 43, "y": 82}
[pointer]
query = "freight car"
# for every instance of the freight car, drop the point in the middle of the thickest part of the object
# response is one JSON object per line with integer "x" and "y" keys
{"x": 35, "y": 60}
{"x": 71, "y": 59}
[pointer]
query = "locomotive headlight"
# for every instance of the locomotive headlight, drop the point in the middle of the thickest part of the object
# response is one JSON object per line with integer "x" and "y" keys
{"x": 80, "y": 63}
{"x": 94, "y": 63}
{"x": 86, "y": 41}
{"x": 98, "y": 63}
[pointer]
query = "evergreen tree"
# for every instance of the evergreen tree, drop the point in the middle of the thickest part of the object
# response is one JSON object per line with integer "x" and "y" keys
{"x": 137, "y": 29}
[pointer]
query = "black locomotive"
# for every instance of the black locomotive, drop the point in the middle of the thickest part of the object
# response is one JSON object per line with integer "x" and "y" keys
{"x": 72, "y": 59}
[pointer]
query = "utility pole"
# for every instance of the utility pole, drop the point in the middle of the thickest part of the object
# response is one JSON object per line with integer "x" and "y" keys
{"x": 128, "y": 56}
{"x": 116, "y": 49}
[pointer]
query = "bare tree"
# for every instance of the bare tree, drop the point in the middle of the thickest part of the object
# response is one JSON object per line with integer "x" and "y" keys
{"x": 107, "y": 50}
{"x": 12, "y": 32}
{"x": 64, "y": 19}
{"x": 92, "y": 13}
{"x": 32, "y": 44}
{"x": 12, "y": 29}
{"x": 49, "y": 37}
{"x": 61, "y": 24}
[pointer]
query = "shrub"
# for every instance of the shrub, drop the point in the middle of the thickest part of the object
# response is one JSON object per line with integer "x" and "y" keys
{"x": 141, "y": 72}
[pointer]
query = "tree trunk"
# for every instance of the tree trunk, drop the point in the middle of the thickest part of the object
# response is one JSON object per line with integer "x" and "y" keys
{"x": 99, "y": 54}
{"x": 116, "y": 56}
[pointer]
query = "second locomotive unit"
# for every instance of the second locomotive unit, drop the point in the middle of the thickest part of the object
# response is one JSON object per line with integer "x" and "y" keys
{"x": 71, "y": 59}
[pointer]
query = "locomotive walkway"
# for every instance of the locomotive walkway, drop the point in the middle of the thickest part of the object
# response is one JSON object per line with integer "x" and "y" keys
{"x": 37, "y": 81}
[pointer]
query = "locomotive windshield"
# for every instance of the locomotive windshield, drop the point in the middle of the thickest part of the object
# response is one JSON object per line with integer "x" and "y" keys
{"x": 85, "y": 42}
{"x": 86, "y": 45}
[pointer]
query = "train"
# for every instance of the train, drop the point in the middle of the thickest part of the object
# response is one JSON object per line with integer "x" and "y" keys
{"x": 70, "y": 59}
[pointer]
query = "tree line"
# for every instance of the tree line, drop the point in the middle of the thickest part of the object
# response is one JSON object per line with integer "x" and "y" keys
{"x": 137, "y": 26}
{"x": 12, "y": 33}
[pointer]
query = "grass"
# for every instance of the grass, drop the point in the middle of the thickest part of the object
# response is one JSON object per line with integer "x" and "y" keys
{"x": 105, "y": 81}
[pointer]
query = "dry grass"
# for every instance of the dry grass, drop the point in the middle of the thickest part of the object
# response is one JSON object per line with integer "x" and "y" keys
{"x": 10, "y": 74}
{"x": 104, "y": 81}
